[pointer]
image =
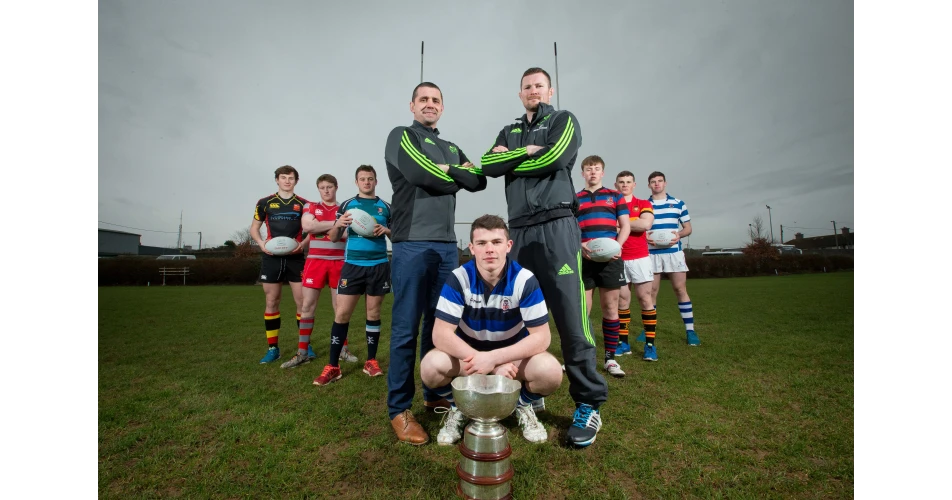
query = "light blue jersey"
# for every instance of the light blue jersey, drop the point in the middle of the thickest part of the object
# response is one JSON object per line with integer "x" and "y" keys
{"x": 364, "y": 250}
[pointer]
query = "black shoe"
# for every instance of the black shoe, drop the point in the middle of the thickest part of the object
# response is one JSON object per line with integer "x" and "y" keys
{"x": 586, "y": 423}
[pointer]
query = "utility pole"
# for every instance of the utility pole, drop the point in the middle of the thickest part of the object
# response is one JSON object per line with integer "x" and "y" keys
{"x": 770, "y": 215}
{"x": 836, "y": 239}
{"x": 750, "y": 232}
{"x": 781, "y": 234}
{"x": 179, "y": 244}
{"x": 200, "y": 239}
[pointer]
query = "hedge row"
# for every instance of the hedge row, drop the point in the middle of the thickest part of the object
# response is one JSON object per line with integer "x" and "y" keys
{"x": 244, "y": 271}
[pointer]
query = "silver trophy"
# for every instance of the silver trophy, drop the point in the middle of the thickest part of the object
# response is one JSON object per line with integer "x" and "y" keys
{"x": 484, "y": 468}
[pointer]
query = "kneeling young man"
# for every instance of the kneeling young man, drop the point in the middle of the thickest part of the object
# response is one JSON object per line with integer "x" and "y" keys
{"x": 491, "y": 319}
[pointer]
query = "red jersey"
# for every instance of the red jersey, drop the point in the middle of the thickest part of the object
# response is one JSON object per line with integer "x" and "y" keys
{"x": 321, "y": 245}
{"x": 636, "y": 246}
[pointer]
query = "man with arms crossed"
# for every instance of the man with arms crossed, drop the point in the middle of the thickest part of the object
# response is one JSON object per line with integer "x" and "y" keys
{"x": 638, "y": 269}
{"x": 325, "y": 258}
{"x": 366, "y": 272}
{"x": 281, "y": 214}
{"x": 492, "y": 319}
{"x": 600, "y": 211}
{"x": 671, "y": 214}
{"x": 425, "y": 171}
{"x": 536, "y": 155}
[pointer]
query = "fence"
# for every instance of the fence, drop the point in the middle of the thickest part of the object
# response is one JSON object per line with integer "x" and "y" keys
{"x": 173, "y": 271}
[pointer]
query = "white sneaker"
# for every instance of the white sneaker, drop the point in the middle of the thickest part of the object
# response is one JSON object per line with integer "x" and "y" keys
{"x": 346, "y": 355}
{"x": 611, "y": 366}
{"x": 452, "y": 426}
{"x": 532, "y": 430}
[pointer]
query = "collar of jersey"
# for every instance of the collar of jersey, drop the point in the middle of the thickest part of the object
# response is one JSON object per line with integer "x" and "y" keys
{"x": 420, "y": 126}
{"x": 544, "y": 110}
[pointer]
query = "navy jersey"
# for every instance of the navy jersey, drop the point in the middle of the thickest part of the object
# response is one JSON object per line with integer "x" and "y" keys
{"x": 281, "y": 216}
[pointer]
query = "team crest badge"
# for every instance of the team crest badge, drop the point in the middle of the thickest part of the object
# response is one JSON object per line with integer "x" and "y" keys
{"x": 319, "y": 211}
{"x": 297, "y": 208}
{"x": 343, "y": 283}
{"x": 380, "y": 210}
{"x": 506, "y": 305}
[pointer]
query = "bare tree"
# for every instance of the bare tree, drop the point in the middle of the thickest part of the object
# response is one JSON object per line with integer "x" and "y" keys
{"x": 756, "y": 229}
{"x": 243, "y": 237}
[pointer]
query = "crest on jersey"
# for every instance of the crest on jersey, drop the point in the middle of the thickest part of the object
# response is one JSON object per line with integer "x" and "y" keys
{"x": 319, "y": 211}
{"x": 296, "y": 208}
{"x": 506, "y": 304}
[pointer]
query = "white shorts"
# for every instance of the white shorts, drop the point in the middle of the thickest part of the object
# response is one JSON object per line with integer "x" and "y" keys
{"x": 639, "y": 270}
{"x": 669, "y": 263}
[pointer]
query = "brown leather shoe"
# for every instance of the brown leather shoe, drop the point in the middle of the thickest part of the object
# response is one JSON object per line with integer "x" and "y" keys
{"x": 408, "y": 429}
{"x": 433, "y": 405}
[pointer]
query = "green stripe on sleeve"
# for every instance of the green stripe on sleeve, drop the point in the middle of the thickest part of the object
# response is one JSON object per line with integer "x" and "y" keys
{"x": 554, "y": 153}
{"x": 490, "y": 158}
{"x": 421, "y": 159}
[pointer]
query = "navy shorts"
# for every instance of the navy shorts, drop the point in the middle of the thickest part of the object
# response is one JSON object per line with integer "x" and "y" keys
{"x": 360, "y": 280}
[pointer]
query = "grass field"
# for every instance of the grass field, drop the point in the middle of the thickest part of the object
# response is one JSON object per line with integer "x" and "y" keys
{"x": 762, "y": 409}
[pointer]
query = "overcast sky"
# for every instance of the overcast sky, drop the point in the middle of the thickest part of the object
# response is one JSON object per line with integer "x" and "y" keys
{"x": 741, "y": 104}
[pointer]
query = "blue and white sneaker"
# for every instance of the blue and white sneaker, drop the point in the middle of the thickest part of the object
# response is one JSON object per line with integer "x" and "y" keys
{"x": 692, "y": 339}
{"x": 310, "y": 352}
{"x": 641, "y": 337}
{"x": 585, "y": 425}
{"x": 272, "y": 355}
{"x": 651, "y": 354}
{"x": 622, "y": 349}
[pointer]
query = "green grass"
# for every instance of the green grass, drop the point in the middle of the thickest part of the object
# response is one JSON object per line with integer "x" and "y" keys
{"x": 763, "y": 409}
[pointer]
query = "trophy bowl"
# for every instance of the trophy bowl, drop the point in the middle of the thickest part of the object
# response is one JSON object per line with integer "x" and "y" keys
{"x": 486, "y": 398}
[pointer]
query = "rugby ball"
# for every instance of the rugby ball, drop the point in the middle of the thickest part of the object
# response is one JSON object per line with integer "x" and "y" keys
{"x": 281, "y": 245}
{"x": 603, "y": 249}
{"x": 662, "y": 237}
{"x": 362, "y": 223}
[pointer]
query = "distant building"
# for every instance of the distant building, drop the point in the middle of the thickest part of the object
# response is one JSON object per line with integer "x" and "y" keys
{"x": 843, "y": 240}
{"x": 113, "y": 243}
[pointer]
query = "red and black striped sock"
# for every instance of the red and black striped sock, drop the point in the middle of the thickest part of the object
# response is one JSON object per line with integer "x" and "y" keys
{"x": 610, "y": 332}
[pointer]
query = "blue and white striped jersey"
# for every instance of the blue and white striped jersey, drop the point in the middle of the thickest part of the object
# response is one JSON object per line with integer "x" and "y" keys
{"x": 670, "y": 213}
{"x": 490, "y": 319}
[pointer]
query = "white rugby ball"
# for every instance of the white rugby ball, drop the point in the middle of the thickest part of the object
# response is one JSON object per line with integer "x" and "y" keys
{"x": 362, "y": 223}
{"x": 603, "y": 249}
{"x": 281, "y": 245}
{"x": 662, "y": 237}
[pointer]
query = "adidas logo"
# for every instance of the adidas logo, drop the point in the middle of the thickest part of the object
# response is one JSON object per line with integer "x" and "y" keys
{"x": 516, "y": 130}
{"x": 565, "y": 270}
{"x": 429, "y": 141}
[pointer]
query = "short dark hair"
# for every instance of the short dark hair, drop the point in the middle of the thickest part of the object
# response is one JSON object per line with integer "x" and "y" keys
{"x": 654, "y": 174}
{"x": 488, "y": 222}
{"x": 365, "y": 168}
{"x": 533, "y": 71}
{"x": 430, "y": 85}
{"x": 327, "y": 178}
{"x": 625, "y": 173}
{"x": 287, "y": 169}
{"x": 593, "y": 160}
